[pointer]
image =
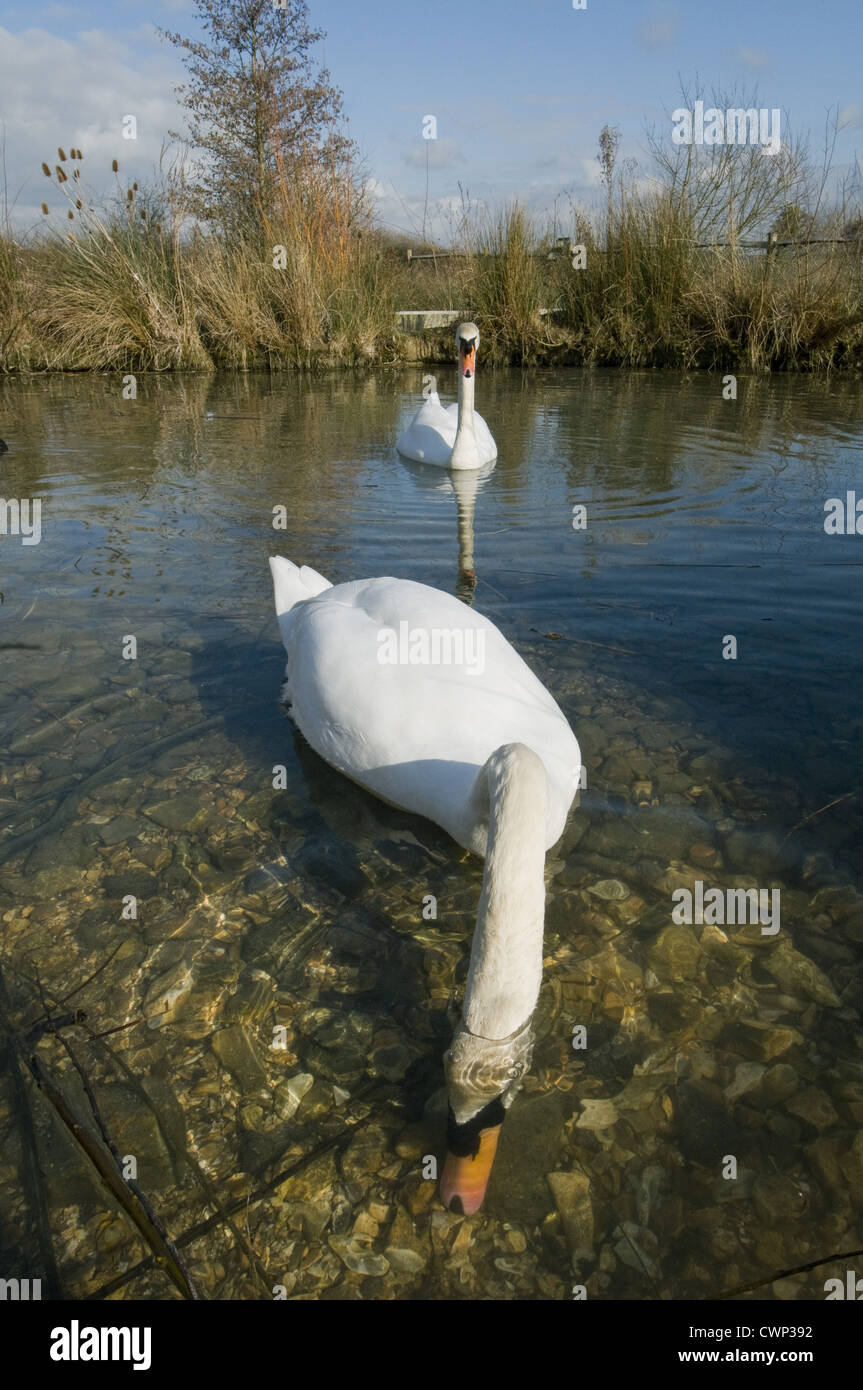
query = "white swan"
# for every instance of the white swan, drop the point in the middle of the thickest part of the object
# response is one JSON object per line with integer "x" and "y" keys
{"x": 455, "y": 437}
{"x": 476, "y": 743}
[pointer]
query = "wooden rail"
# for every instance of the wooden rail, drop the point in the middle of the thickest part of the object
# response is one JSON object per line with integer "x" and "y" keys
{"x": 566, "y": 246}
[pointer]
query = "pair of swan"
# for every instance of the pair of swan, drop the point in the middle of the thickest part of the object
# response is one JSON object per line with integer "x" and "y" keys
{"x": 423, "y": 702}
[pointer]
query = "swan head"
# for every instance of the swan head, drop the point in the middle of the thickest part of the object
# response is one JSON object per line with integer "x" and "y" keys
{"x": 483, "y": 1076}
{"x": 467, "y": 340}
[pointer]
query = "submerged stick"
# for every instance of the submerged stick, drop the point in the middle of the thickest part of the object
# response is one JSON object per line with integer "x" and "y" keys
{"x": 812, "y": 815}
{"x": 786, "y": 1274}
{"x": 127, "y": 1198}
{"x": 221, "y": 1213}
{"x": 30, "y": 1153}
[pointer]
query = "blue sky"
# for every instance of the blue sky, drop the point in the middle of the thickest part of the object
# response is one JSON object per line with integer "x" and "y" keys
{"x": 520, "y": 88}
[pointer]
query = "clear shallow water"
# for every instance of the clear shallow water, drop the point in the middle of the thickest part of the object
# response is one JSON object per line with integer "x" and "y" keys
{"x": 302, "y": 907}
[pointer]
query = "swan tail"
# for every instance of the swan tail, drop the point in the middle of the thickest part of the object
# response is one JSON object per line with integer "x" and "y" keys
{"x": 291, "y": 585}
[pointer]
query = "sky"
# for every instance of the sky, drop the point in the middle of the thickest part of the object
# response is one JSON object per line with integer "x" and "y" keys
{"x": 520, "y": 89}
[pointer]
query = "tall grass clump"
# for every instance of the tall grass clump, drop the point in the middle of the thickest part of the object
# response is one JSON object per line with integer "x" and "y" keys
{"x": 627, "y": 303}
{"x": 507, "y": 284}
{"x": 113, "y": 285}
{"x": 333, "y": 295}
{"x": 305, "y": 285}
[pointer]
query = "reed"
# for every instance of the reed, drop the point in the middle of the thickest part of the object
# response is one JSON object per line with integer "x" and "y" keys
{"x": 135, "y": 285}
{"x": 507, "y": 284}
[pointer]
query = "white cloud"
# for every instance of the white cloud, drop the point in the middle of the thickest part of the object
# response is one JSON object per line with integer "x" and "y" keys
{"x": 660, "y": 27}
{"x": 851, "y": 115}
{"x": 752, "y": 57}
{"x": 441, "y": 154}
{"x": 76, "y": 91}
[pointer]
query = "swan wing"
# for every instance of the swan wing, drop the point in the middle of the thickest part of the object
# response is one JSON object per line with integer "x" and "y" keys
{"x": 484, "y": 440}
{"x": 431, "y": 433}
{"x": 416, "y": 733}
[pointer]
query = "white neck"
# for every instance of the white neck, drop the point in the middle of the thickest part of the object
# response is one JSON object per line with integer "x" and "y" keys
{"x": 506, "y": 956}
{"x": 464, "y": 446}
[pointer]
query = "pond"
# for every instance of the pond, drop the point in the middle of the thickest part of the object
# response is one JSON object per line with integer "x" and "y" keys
{"x": 252, "y": 944}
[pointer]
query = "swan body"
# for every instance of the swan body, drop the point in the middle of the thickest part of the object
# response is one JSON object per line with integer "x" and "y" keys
{"x": 454, "y": 436}
{"x": 457, "y": 728}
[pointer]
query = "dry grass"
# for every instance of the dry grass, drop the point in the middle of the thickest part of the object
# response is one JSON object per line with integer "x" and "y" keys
{"x": 131, "y": 287}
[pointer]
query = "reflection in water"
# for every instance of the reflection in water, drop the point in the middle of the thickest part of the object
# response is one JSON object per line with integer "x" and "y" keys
{"x": 466, "y": 484}
{"x": 297, "y": 996}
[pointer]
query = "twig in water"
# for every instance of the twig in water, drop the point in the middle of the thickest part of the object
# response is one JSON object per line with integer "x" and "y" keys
{"x": 583, "y": 642}
{"x": 30, "y": 1153}
{"x": 807, "y": 819}
{"x": 123, "y": 1191}
{"x": 786, "y": 1274}
{"x": 46, "y": 1017}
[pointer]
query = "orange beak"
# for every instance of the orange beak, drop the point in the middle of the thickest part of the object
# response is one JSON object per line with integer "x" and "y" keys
{"x": 465, "y": 1179}
{"x": 468, "y": 362}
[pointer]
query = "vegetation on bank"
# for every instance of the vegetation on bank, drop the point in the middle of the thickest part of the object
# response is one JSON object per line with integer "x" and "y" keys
{"x": 261, "y": 250}
{"x": 135, "y": 286}
{"x": 128, "y": 291}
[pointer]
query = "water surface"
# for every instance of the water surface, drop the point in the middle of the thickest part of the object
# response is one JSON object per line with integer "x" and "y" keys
{"x": 300, "y": 908}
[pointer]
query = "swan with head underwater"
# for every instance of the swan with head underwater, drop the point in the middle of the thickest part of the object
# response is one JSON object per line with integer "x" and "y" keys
{"x": 475, "y": 743}
{"x": 455, "y": 437}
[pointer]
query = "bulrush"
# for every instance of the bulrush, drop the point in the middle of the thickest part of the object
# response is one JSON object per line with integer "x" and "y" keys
{"x": 45, "y": 170}
{"x": 115, "y": 168}
{"x": 62, "y": 176}
{"x": 61, "y": 154}
{"x": 45, "y": 209}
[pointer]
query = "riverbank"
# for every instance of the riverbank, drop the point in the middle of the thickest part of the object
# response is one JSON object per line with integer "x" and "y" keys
{"x": 123, "y": 293}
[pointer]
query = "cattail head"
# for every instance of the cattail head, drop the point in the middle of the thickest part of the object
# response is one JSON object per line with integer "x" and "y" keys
{"x": 71, "y": 216}
{"x": 62, "y": 177}
{"x": 45, "y": 209}
{"x": 143, "y": 214}
{"x": 45, "y": 170}
{"x": 135, "y": 186}
{"x": 61, "y": 154}
{"x": 115, "y": 168}
{"x": 130, "y": 195}
{"x": 78, "y": 204}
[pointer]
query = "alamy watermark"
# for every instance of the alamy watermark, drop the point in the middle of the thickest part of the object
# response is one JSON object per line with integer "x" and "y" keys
{"x": 432, "y": 646}
{"x": 21, "y": 517}
{"x": 727, "y": 906}
{"x": 844, "y": 515}
{"x": 737, "y": 125}
{"x": 77, "y": 1343}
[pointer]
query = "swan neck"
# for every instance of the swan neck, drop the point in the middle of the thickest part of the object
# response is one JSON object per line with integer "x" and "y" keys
{"x": 506, "y": 955}
{"x": 464, "y": 449}
{"x": 465, "y": 398}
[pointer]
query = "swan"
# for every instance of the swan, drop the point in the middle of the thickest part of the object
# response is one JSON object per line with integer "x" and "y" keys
{"x": 473, "y": 741}
{"x": 455, "y": 437}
